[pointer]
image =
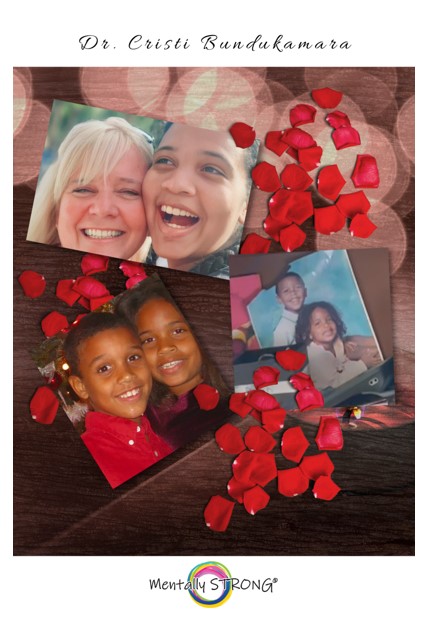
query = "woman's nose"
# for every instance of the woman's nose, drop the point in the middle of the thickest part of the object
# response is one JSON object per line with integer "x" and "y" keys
{"x": 104, "y": 204}
{"x": 165, "y": 344}
{"x": 125, "y": 373}
{"x": 180, "y": 180}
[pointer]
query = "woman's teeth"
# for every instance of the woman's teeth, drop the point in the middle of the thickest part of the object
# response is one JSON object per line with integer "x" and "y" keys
{"x": 132, "y": 393}
{"x": 100, "y": 234}
{"x": 170, "y": 365}
{"x": 177, "y": 218}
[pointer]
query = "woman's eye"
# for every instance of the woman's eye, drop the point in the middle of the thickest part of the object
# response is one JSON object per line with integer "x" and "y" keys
{"x": 129, "y": 192}
{"x": 134, "y": 357}
{"x": 162, "y": 160}
{"x": 104, "y": 369}
{"x": 147, "y": 341}
{"x": 213, "y": 170}
{"x": 179, "y": 331}
{"x": 83, "y": 190}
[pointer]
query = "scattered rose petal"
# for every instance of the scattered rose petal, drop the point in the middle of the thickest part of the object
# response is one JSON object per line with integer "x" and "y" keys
{"x": 278, "y": 207}
{"x": 310, "y": 158}
{"x": 65, "y": 291}
{"x": 292, "y": 152}
{"x": 134, "y": 280}
{"x": 255, "y": 243}
{"x": 238, "y": 405}
{"x": 89, "y": 287}
{"x": 272, "y": 227}
{"x": 273, "y": 142}
{"x": 326, "y": 97}
{"x": 290, "y": 359}
{"x": 91, "y": 264}
{"x": 309, "y": 398}
{"x": 345, "y": 137}
{"x": 325, "y": 488}
{"x": 236, "y": 489}
{"x": 94, "y": 303}
{"x": 329, "y": 435}
{"x": 315, "y": 466}
{"x": 295, "y": 177}
{"x": 353, "y": 203}
{"x": 291, "y": 238}
{"x": 338, "y": 119}
{"x": 328, "y": 220}
{"x": 252, "y": 468}
{"x": 365, "y": 174}
{"x": 298, "y": 139}
{"x": 56, "y": 381}
{"x": 273, "y": 420}
{"x": 255, "y": 499}
{"x": 32, "y": 283}
{"x": 330, "y": 182}
{"x": 84, "y": 302}
{"x": 229, "y": 439}
{"x": 44, "y": 405}
{"x": 132, "y": 268}
{"x": 243, "y": 134}
{"x": 294, "y": 444}
{"x": 218, "y": 513}
{"x": 207, "y": 397}
{"x": 361, "y": 226}
{"x": 301, "y": 381}
{"x": 292, "y": 482}
{"x": 261, "y": 400}
{"x": 265, "y": 177}
{"x": 53, "y": 322}
{"x": 291, "y": 206}
{"x": 265, "y": 376}
{"x": 259, "y": 440}
{"x": 302, "y": 114}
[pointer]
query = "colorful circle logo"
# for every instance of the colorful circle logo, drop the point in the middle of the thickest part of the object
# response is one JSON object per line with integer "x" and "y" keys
{"x": 205, "y": 591}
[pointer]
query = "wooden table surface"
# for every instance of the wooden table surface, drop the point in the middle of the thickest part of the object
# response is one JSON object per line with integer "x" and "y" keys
{"x": 62, "y": 503}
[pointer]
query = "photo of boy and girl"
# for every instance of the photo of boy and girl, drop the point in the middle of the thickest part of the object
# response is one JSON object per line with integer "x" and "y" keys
{"x": 143, "y": 189}
{"x": 135, "y": 365}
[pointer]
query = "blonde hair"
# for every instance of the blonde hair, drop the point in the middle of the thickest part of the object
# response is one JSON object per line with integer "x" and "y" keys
{"x": 92, "y": 148}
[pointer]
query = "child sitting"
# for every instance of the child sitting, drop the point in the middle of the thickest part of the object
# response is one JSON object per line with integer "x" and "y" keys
{"x": 291, "y": 294}
{"x": 109, "y": 371}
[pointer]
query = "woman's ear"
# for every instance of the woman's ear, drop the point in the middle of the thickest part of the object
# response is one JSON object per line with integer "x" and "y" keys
{"x": 78, "y": 387}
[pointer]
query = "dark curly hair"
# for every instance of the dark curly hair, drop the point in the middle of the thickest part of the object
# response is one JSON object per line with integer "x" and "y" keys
{"x": 302, "y": 329}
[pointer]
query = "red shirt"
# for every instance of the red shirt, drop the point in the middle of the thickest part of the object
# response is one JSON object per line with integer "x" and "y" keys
{"x": 121, "y": 447}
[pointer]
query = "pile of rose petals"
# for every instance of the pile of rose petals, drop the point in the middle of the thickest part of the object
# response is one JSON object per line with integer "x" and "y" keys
{"x": 291, "y": 204}
{"x": 254, "y": 465}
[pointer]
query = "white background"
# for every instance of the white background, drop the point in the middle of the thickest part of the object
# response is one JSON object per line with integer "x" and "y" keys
{"x": 72, "y": 588}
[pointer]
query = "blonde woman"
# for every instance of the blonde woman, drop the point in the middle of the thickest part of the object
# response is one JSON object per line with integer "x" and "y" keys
{"x": 90, "y": 199}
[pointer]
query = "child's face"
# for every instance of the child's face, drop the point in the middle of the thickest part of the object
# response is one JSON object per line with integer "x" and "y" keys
{"x": 323, "y": 330}
{"x": 291, "y": 293}
{"x": 106, "y": 215}
{"x": 114, "y": 375}
{"x": 169, "y": 345}
{"x": 195, "y": 194}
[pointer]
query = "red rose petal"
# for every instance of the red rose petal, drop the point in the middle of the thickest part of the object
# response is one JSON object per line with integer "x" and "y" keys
{"x": 330, "y": 182}
{"x": 290, "y": 359}
{"x": 53, "y": 322}
{"x": 278, "y": 207}
{"x": 44, "y": 405}
{"x": 91, "y": 264}
{"x": 255, "y": 243}
{"x": 365, "y": 174}
{"x": 315, "y": 466}
{"x": 361, "y": 226}
{"x": 243, "y": 134}
{"x": 294, "y": 444}
{"x": 295, "y": 177}
{"x": 328, "y": 220}
{"x": 338, "y": 119}
{"x": 293, "y": 153}
{"x": 252, "y": 468}
{"x": 134, "y": 280}
{"x": 273, "y": 142}
{"x": 301, "y": 381}
{"x": 65, "y": 291}
{"x": 291, "y": 238}
{"x": 255, "y": 499}
{"x": 265, "y": 376}
{"x": 292, "y": 482}
{"x": 273, "y": 420}
{"x": 272, "y": 227}
{"x": 84, "y": 302}
{"x": 302, "y": 114}
{"x": 326, "y": 97}
{"x": 32, "y": 283}
{"x": 238, "y": 405}
{"x": 261, "y": 400}
{"x": 89, "y": 287}
{"x": 353, "y": 203}
{"x": 258, "y": 440}
{"x": 298, "y": 139}
{"x": 325, "y": 489}
{"x": 236, "y": 489}
{"x": 265, "y": 177}
{"x": 329, "y": 435}
{"x": 218, "y": 513}
{"x": 229, "y": 439}
{"x": 207, "y": 397}
{"x": 310, "y": 158}
{"x": 94, "y": 303}
{"x": 131, "y": 268}
{"x": 345, "y": 137}
{"x": 309, "y": 398}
